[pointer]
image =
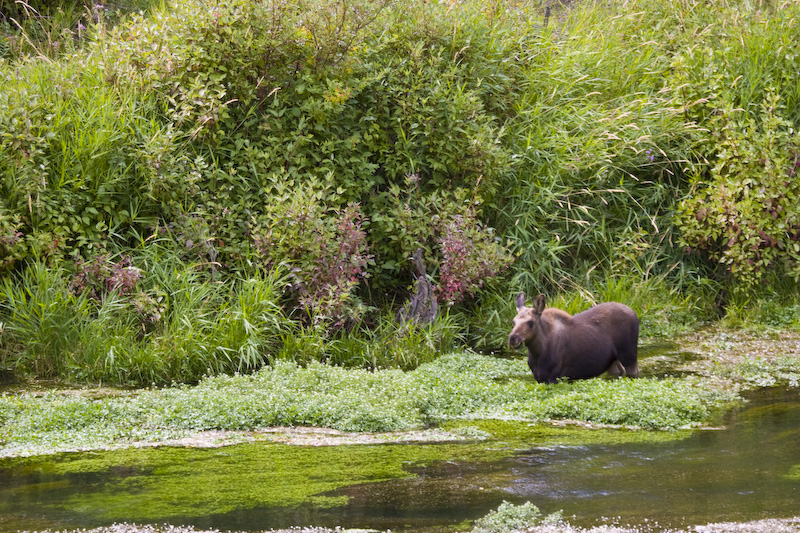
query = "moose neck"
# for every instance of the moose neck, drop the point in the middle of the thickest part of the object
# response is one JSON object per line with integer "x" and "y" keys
{"x": 546, "y": 329}
{"x": 535, "y": 344}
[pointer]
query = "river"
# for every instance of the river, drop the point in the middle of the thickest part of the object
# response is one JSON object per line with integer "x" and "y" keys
{"x": 747, "y": 471}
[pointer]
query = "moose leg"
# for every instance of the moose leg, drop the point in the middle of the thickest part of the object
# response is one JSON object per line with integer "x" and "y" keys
{"x": 616, "y": 369}
{"x": 632, "y": 371}
{"x": 629, "y": 361}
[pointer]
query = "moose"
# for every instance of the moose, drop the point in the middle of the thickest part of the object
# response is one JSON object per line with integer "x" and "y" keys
{"x": 602, "y": 338}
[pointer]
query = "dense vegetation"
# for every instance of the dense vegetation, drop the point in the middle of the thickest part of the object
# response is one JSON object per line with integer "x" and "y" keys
{"x": 452, "y": 388}
{"x": 201, "y": 188}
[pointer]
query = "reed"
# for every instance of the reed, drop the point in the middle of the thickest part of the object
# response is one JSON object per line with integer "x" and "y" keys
{"x": 583, "y": 149}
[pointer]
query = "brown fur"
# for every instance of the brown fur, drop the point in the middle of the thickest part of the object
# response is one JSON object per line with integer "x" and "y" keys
{"x": 602, "y": 338}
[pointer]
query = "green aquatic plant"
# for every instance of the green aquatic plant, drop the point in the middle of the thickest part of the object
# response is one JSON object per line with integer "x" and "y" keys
{"x": 510, "y": 518}
{"x": 460, "y": 386}
{"x": 152, "y": 484}
{"x": 763, "y": 372}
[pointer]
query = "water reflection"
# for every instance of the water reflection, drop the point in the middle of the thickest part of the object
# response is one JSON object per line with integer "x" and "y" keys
{"x": 738, "y": 474}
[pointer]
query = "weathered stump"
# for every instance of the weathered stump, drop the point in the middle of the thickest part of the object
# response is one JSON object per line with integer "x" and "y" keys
{"x": 422, "y": 306}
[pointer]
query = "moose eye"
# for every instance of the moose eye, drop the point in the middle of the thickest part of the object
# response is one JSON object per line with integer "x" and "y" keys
{"x": 530, "y": 323}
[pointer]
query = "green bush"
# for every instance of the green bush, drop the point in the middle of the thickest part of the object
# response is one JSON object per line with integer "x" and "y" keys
{"x": 69, "y": 161}
{"x": 551, "y": 158}
{"x": 741, "y": 212}
{"x": 510, "y": 518}
{"x": 745, "y": 216}
{"x": 326, "y": 252}
{"x": 355, "y": 113}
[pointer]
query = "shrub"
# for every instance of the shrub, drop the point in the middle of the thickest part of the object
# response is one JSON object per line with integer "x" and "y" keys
{"x": 470, "y": 256}
{"x": 102, "y": 276}
{"x": 12, "y": 245}
{"x": 326, "y": 252}
{"x": 745, "y": 215}
{"x": 446, "y": 225}
{"x": 739, "y": 214}
{"x": 510, "y": 518}
{"x": 70, "y": 163}
{"x": 354, "y": 112}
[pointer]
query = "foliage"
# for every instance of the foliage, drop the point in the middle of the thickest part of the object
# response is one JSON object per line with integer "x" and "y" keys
{"x": 327, "y": 256}
{"x": 70, "y": 148}
{"x": 460, "y": 386}
{"x": 745, "y": 216}
{"x": 470, "y": 256}
{"x": 46, "y": 321}
{"x": 52, "y": 28}
{"x": 307, "y": 110}
{"x": 390, "y": 344}
{"x": 171, "y": 328}
{"x": 102, "y": 276}
{"x": 759, "y": 372}
{"x": 580, "y": 157}
{"x": 740, "y": 214}
{"x": 509, "y": 518}
{"x": 12, "y": 247}
{"x": 601, "y": 145}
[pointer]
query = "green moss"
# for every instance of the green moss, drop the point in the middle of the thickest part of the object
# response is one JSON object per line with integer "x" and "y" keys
{"x": 537, "y": 434}
{"x": 150, "y": 484}
{"x": 794, "y": 473}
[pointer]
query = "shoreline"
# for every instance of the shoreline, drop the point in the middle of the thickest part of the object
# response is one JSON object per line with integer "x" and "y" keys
{"x": 767, "y": 525}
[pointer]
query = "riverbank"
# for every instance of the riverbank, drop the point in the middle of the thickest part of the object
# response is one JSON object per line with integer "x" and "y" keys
{"x": 788, "y": 525}
{"x": 459, "y": 398}
{"x": 685, "y": 382}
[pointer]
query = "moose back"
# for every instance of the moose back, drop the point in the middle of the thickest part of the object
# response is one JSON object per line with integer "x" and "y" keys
{"x": 602, "y": 338}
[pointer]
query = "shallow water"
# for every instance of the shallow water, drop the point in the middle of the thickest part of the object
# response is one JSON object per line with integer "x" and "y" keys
{"x": 750, "y": 470}
{"x": 746, "y": 472}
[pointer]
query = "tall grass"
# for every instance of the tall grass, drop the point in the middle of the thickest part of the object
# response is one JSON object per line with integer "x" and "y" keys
{"x": 191, "y": 328}
{"x": 44, "y": 319}
{"x": 602, "y": 147}
{"x": 577, "y": 141}
{"x": 47, "y": 29}
{"x": 179, "y": 325}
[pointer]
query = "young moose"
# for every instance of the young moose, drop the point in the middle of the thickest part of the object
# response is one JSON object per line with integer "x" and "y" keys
{"x": 602, "y": 338}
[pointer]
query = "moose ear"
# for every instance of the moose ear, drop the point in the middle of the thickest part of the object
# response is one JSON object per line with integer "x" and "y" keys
{"x": 538, "y": 304}
{"x": 520, "y": 300}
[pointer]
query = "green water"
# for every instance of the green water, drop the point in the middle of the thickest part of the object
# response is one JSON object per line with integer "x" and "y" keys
{"x": 748, "y": 471}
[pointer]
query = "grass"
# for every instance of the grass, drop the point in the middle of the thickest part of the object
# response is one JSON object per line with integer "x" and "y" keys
{"x": 175, "y": 326}
{"x": 179, "y": 325}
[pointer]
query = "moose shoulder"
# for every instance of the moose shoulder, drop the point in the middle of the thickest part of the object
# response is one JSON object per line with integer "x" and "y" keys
{"x": 602, "y": 338}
